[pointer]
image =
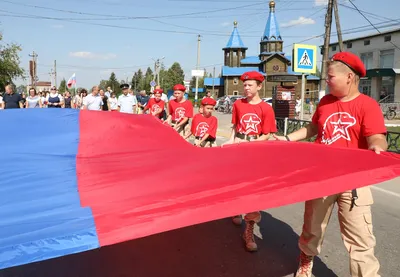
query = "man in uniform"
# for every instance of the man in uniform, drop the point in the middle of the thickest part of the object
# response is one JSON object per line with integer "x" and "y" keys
{"x": 126, "y": 102}
{"x": 344, "y": 118}
{"x": 253, "y": 120}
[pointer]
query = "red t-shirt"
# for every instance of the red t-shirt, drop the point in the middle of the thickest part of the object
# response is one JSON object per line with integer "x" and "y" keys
{"x": 202, "y": 125}
{"x": 253, "y": 119}
{"x": 180, "y": 110}
{"x": 155, "y": 106}
{"x": 348, "y": 124}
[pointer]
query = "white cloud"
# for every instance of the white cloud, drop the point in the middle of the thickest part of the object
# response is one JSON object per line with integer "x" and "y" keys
{"x": 300, "y": 21}
{"x": 57, "y": 26}
{"x": 321, "y": 2}
{"x": 92, "y": 56}
{"x": 224, "y": 24}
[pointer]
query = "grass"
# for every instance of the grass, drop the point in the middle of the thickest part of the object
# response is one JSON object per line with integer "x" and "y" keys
{"x": 393, "y": 129}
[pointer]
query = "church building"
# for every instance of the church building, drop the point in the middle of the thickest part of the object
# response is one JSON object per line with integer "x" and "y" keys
{"x": 272, "y": 62}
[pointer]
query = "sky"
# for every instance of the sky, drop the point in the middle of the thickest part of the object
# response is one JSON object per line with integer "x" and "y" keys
{"x": 93, "y": 38}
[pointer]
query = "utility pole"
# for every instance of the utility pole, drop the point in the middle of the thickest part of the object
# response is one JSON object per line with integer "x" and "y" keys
{"x": 33, "y": 69}
{"x": 197, "y": 67}
{"x": 213, "y": 81}
{"x": 55, "y": 73}
{"x": 157, "y": 66}
{"x": 325, "y": 58}
{"x": 338, "y": 28}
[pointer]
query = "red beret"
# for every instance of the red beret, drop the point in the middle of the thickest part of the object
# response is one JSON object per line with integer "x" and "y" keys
{"x": 158, "y": 90}
{"x": 180, "y": 87}
{"x": 252, "y": 75}
{"x": 352, "y": 61}
{"x": 208, "y": 101}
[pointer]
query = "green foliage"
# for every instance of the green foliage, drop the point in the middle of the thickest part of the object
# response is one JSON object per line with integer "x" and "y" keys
{"x": 21, "y": 89}
{"x": 148, "y": 77}
{"x": 9, "y": 63}
{"x": 114, "y": 84}
{"x": 63, "y": 86}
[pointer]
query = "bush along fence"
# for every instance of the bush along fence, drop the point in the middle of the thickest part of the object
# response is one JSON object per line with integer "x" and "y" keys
{"x": 286, "y": 126}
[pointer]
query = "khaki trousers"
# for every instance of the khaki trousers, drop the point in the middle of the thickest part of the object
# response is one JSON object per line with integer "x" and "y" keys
{"x": 206, "y": 143}
{"x": 253, "y": 216}
{"x": 355, "y": 226}
{"x": 182, "y": 130}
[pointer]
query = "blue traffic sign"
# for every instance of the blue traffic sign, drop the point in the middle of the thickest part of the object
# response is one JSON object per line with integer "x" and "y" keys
{"x": 304, "y": 58}
{"x": 153, "y": 83}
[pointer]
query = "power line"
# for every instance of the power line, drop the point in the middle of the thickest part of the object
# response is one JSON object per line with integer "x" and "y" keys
{"x": 371, "y": 22}
{"x": 372, "y": 14}
{"x": 130, "y": 17}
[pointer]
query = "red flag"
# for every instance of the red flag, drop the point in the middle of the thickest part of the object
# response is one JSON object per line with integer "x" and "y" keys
{"x": 140, "y": 177}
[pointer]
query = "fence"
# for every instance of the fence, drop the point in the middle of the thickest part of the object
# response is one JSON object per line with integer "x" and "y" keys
{"x": 286, "y": 126}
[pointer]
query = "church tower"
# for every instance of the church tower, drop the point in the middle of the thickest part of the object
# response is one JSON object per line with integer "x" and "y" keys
{"x": 271, "y": 42}
{"x": 235, "y": 50}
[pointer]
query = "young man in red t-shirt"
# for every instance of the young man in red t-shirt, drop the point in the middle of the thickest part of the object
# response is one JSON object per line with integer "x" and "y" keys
{"x": 156, "y": 105}
{"x": 344, "y": 118}
{"x": 180, "y": 110}
{"x": 204, "y": 125}
{"x": 253, "y": 120}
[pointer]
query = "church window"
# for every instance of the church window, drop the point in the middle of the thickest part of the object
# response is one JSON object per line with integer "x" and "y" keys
{"x": 235, "y": 81}
{"x": 235, "y": 92}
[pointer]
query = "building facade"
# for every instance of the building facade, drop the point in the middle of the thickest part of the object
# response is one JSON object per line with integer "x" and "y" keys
{"x": 271, "y": 61}
{"x": 381, "y": 56}
{"x": 41, "y": 86}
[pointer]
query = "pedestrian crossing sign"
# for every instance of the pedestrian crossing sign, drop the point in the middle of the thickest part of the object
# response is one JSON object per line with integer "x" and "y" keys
{"x": 304, "y": 58}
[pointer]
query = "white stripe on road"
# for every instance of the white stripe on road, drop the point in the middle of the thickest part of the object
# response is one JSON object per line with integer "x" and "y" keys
{"x": 387, "y": 191}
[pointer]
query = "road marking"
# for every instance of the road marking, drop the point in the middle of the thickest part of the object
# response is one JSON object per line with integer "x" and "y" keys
{"x": 387, "y": 191}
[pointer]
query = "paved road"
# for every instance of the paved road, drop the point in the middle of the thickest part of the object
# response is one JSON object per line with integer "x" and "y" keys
{"x": 215, "y": 249}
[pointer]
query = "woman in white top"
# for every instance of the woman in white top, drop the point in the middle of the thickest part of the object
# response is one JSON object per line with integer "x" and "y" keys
{"x": 33, "y": 100}
{"x": 113, "y": 103}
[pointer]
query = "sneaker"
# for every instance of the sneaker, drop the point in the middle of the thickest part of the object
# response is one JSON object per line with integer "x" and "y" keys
{"x": 248, "y": 237}
{"x": 237, "y": 220}
{"x": 305, "y": 266}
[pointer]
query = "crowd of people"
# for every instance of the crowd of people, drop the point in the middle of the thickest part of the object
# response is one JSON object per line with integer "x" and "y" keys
{"x": 344, "y": 118}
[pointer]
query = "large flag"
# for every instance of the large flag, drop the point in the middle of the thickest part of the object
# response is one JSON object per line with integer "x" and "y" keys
{"x": 84, "y": 187}
{"x": 71, "y": 81}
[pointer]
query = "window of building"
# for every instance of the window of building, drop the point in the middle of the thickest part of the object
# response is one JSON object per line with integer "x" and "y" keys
{"x": 367, "y": 60}
{"x": 367, "y": 42}
{"x": 349, "y": 45}
{"x": 333, "y": 48}
{"x": 235, "y": 92}
{"x": 272, "y": 47}
{"x": 235, "y": 81}
{"x": 387, "y": 59}
{"x": 388, "y": 38}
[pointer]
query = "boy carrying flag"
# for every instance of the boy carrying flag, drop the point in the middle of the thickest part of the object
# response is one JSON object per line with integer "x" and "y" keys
{"x": 204, "y": 125}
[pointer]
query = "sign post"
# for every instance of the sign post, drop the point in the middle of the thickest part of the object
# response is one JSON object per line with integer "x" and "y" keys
{"x": 152, "y": 85}
{"x": 304, "y": 61}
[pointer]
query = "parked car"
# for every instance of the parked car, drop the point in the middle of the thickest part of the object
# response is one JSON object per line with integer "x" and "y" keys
{"x": 267, "y": 100}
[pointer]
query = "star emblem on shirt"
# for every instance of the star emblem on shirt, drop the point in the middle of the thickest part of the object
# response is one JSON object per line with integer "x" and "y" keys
{"x": 341, "y": 127}
{"x": 251, "y": 122}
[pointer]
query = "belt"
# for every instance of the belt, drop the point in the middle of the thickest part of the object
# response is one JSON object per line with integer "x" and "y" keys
{"x": 207, "y": 139}
{"x": 246, "y": 137}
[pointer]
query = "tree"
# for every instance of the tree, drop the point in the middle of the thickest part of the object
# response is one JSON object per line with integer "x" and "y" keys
{"x": 175, "y": 75}
{"x": 63, "y": 86}
{"x": 103, "y": 84}
{"x": 148, "y": 77}
{"x": 114, "y": 84}
{"x": 21, "y": 89}
{"x": 9, "y": 63}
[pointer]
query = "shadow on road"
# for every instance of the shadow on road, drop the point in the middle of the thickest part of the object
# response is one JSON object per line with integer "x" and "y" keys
{"x": 213, "y": 249}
